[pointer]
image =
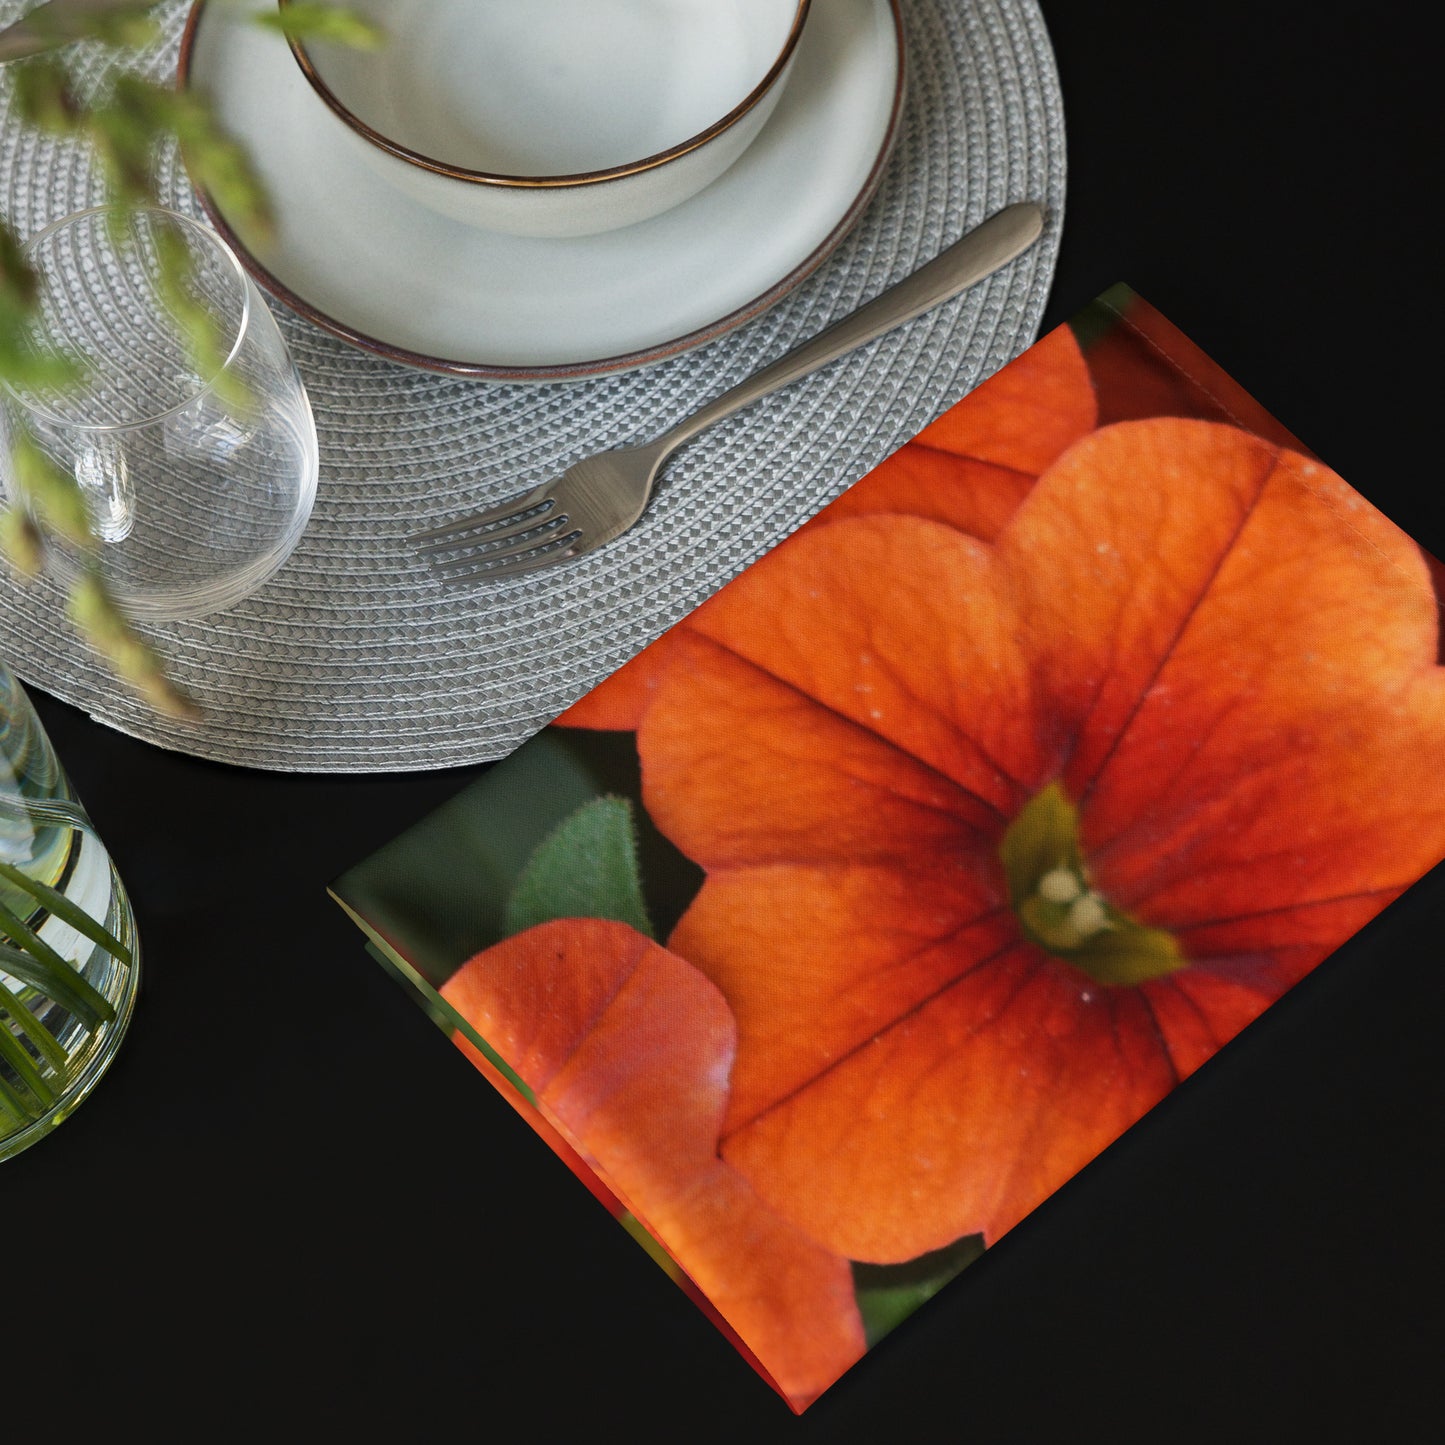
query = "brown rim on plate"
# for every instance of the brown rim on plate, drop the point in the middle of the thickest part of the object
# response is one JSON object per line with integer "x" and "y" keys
{"x": 580, "y": 178}
{"x": 564, "y": 371}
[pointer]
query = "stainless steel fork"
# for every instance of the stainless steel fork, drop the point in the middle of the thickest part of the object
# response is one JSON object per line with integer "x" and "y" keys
{"x": 602, "y": 495}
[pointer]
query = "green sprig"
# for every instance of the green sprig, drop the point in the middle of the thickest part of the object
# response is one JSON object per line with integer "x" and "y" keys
{"x": 52, "y": 493}
{"x": 125, "y": 24}
{"x": 99, "y": 619}
{"x": 123, "y": 126}
{"x": 315, "y": 20}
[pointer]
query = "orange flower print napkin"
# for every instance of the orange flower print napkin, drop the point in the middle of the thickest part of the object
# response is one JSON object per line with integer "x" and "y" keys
{"x": 841, "y": 927}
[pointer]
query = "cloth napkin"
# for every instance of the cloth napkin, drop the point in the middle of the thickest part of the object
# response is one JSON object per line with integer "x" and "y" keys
{"x": 848, "y": 921}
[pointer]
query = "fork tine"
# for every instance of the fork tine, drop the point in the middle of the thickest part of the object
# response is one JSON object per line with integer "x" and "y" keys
{"x": 490, "y": 567}
{"x": 473, "y": 540}
{"x": 513, "y": 507}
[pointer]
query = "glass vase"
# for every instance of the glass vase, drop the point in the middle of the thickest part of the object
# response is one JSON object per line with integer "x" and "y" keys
{"x": 69, "y": 965}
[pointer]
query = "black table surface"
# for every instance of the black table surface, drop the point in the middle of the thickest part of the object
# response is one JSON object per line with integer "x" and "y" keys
{"x": 301, "y": 1212}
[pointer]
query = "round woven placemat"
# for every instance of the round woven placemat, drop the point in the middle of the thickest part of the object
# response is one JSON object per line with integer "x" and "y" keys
{"x": 352, "y": 659}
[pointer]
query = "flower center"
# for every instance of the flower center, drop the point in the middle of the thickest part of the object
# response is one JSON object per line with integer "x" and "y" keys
{"x": 1061, "y": 911}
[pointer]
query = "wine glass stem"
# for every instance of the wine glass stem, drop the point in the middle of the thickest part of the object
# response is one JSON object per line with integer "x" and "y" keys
{"x": 102, "y": 469}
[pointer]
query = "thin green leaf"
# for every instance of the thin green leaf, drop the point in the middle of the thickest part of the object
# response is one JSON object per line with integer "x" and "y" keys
{"x": 53, "y": 494}
{"x": 101, "y": 622}
{"x": 21, "y": 934}
{"x": 17, "y": 1056}
{"x": 124, "y": 28}
{"x": 19, "y": 285}
{"x": 123, "y": 136}
{"x": 16, "y": 1108}
{"x": 57, "y": 980}
{"x": 44, "y": 96}
{"x": 67, "y": 910}
{"x": 219, "y": 165}
{"x": 22, "y": 543}
{"x": 121, "y": 23}
{"x": 21, "y": 362}
{"x": 585, "y": 868}
{"x": 205, "y": 343}
{"x": 45, "y": 1042}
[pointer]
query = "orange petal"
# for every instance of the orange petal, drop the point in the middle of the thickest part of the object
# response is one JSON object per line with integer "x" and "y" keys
{"x": 961, "y": 1116}
{"x": 628, "y": 1049}
{"x": 820, "y": 959}
{"x": 797, "y": 781}
{"x": 897, "y": 624}
{"x": 923, "y": 481}
{"x": 1025, "y": 414}
{"x": 1200, "y": 1009}
{"x": 1108, "y": 558}
{"x": 1302, "y": 929}
{"x": 539, "y": 1125}
{"x": 1285, "y": 749}
{"x": 972, "y": 467}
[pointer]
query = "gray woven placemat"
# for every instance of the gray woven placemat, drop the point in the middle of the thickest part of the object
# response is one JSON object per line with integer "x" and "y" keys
{"x": 353, "y": 660}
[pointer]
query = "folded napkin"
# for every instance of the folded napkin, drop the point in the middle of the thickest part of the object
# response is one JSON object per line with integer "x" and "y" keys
{"x": 837, "y": 930}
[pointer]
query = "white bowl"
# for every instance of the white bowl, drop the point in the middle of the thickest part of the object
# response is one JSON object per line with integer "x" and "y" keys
{"x": 557, "y": 117}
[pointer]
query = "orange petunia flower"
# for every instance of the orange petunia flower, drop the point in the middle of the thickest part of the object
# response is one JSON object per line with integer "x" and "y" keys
{"x": 1003, "y": 838}
{"x": 627, "y": 1051}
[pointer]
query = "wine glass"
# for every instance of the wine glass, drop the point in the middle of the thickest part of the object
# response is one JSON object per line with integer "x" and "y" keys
{"x": 188, "y": 428}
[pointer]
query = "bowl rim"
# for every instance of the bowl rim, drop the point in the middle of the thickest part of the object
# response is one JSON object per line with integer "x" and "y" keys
{"x": 502, "y": 181}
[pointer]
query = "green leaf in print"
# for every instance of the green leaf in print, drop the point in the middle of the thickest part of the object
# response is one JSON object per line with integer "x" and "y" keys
{"x": 585, "y": 868}
{"x": 889, "y": 1293}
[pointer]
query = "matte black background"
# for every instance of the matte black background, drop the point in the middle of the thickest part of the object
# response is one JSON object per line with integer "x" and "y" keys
{"x": 300, "y": 1213}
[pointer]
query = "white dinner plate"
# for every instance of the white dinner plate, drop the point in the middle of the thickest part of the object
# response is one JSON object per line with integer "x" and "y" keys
{"x": 375, "y": 268}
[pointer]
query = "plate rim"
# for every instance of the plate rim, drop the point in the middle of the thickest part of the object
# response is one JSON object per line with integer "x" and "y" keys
{"x": 572, "y": 370}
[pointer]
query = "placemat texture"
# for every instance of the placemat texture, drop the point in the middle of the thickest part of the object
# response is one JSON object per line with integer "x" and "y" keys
{"x": 353, "y": 659}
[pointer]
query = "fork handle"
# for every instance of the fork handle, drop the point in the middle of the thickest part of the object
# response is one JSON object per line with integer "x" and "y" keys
{"x": 979, "y": 253}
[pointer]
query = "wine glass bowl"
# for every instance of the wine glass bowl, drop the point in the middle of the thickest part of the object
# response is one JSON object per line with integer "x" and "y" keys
{"x": 188, "y": 428}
